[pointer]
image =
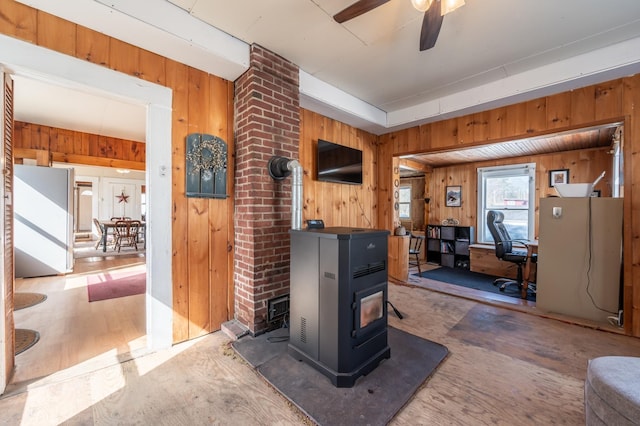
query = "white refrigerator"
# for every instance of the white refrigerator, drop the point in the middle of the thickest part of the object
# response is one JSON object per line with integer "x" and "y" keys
{"x": 43, "y": 220}
{"x": 580, "y": 257}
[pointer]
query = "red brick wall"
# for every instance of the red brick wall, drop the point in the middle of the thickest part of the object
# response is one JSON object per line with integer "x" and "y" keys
{"x": 267, "y": 116}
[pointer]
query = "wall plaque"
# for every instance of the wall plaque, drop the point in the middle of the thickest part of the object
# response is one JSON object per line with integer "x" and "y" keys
{"x": 206, "y": 166}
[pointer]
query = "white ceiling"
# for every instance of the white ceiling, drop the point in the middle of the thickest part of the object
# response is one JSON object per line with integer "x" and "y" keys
{"x": 45, "y": 103}
{"x": 368, "y": 72}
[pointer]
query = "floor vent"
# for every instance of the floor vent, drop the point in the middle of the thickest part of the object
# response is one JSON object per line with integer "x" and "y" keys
{"x": 277, "y": 308}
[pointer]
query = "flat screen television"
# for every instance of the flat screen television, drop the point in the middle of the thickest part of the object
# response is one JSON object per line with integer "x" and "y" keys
{"x": 338, "y": 163}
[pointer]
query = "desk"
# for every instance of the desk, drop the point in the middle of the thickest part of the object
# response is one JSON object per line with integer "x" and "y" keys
{"x": 483, "y": 259}
{"x": 108, "y": 224}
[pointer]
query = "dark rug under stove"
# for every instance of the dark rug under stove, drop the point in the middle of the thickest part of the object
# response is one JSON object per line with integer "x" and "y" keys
{"x": 374, "y": 399}
{"x": 475, "y": 280}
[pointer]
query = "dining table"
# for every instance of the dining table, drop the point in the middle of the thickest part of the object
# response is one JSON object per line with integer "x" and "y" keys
{"x": 110, "y": 224}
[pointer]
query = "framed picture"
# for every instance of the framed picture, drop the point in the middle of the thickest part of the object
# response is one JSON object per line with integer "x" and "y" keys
{"x": 453, "y": 196}
{"x": 558, "y": 176}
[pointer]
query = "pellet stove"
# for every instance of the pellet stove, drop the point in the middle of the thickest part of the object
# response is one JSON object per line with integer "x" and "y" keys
{"x": 338, "y": 295}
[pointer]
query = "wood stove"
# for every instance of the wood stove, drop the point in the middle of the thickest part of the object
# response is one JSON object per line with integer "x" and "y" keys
{"x": 338, "y": 297}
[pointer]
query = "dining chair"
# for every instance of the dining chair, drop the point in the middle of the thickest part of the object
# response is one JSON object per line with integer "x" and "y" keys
{"x": 101, "y": 234}
{"x": 126, "y": 234}
{"x": 415, "y": 246}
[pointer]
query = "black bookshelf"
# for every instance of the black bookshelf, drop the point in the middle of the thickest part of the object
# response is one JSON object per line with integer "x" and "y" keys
{"x": 448, "y": 245}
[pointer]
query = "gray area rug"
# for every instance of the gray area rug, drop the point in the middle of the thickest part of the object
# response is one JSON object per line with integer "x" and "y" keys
{"x": 374, "y": 399}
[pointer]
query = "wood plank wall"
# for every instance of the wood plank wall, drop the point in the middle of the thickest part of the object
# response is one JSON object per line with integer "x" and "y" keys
{"x": 202, "y": 229}
{"x": 583, "y": 165}
{"x": 607, "y": 102}
{"x": 69, "y": 146}
{"x": 338, "y": 204}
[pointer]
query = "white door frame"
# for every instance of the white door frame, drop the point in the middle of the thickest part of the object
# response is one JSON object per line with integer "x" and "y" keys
{"x": 26, "y": 59}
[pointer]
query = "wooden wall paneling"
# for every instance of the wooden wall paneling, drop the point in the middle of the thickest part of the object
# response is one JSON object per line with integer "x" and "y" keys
{"x": 218, "y": 221}
{"x": 61, "y": 140}
{"x": 444, "y": 133}
{"x": 558, "y": 110}
{"x": 337, "y": 204}
{"x": 103, "y": 148}
{"x": 415, "y": 139}
{"x": 481, "y": 123}
{"x": 198, "y": 216}
{"x": 536, "y": 115}
{"x": 81, "y": 143}
{"x": 219, "y": 284}
{"x": 152, "y": 67}
{"x": 343, "y": 205}
{"x": 583, "y": 105}
{"x": 631, "y": 222}
{"x": 400, "y": 141}
{"x": 385, "y": 184}
{"x": 306, "y": 158}
{"x": 465, "y": 126}
{"x": 231, "y": 166}
{"x": 19, "y": 133}
{"x": 424, "y": 141}
{"x": 40, "y": 137}
{"x": 608, "y": 100}
{"x": 496, "y": 127}
{"x": 114, "y": 147}
{"x": 92, "y": 46}
{"x": 177, "y": 80}
{"x": 18, "y": 20}
{"x": 124, "y": 57}
{"x": 93, "y": 145}
{"x": 372, "y": 187}
{"x": 56, "y": 34}
{"x": 515, "y": 122}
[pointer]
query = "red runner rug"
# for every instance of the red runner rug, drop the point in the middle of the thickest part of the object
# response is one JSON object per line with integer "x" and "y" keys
{"x": 111, "y": 285}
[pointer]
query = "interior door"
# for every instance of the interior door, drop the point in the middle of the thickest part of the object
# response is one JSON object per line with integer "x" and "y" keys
{"x": 7, "y": 339}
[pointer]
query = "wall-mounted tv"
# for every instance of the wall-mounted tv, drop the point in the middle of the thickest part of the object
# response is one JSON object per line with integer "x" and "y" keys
{"x": 338, "y": 163}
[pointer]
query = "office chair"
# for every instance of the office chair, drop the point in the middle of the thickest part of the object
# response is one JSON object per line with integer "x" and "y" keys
{"x": 505, "y": 251}
{"x": 415, "y": 244}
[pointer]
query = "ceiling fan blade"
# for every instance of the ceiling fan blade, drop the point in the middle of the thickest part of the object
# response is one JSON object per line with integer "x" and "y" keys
{"x": 431, "y": 24}
{"x": 357, "y": 9}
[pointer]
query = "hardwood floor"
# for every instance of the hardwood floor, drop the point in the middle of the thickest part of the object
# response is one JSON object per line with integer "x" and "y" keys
{"x": 75, "y": 335}
{"x": 505, "y": 367}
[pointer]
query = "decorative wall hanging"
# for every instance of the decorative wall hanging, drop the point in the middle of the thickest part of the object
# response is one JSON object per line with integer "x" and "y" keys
{"x": 122, "y": 199}
{"x": 558, "y": 176}
{"x": 206, "y": 166}
{"x": 453, "y": 196}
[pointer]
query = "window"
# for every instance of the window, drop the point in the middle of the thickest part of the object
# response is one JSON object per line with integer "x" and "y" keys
{"x": 510, "y": 190}
{"x": 404, "y": 202}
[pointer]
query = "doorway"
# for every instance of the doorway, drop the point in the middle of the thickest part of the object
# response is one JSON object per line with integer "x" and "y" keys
{"x": 21, "y": 58}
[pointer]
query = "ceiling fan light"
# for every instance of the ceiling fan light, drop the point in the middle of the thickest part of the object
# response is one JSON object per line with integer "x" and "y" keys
{"x": 450, "y": 5}
{"x": 421, "y": 5}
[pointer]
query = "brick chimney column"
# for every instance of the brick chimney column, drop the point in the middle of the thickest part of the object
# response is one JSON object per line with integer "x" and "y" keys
{"x": 267, "y": 123}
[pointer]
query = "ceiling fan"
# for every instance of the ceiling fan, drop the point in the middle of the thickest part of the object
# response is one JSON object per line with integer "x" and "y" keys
{"x": 431, "y": 22}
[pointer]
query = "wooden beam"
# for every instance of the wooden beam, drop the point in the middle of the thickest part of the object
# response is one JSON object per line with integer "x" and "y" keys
{"x": 44, "y": 157}
{"x": 88, "y": 160}
{"x": 414, "y": 165}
